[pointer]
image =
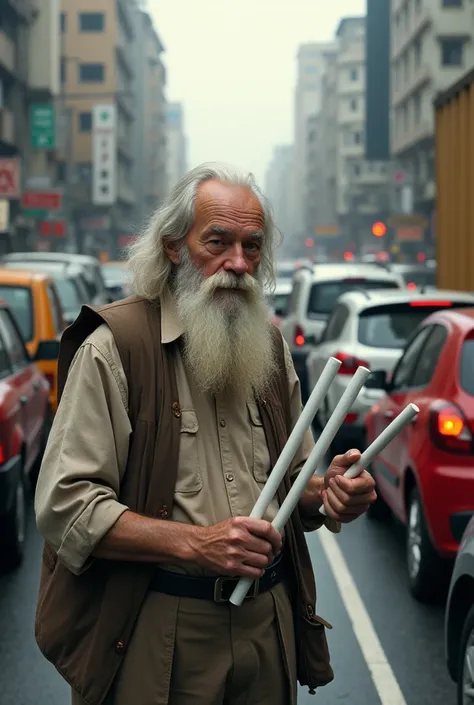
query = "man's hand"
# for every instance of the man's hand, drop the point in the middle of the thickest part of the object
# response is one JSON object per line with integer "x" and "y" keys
{"x": 345, "y": 499}
{"x": 240, "y": 547}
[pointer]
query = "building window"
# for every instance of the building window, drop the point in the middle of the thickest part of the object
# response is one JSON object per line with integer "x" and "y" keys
{"x": 85, "y": 122}
{"x": 452, "y": 3}
{"x": 357, "y": 137}
{"x": 63, "y": 22}
{"x": 452, "y": 51}
{"x": 353, "y": 105}
{"x": 91, "y": 21}
{"x": 353, "y": 74}
{"x": 356, "y": 169}
{"x": 91, "y": 73}
{"x": 417, "y": 49}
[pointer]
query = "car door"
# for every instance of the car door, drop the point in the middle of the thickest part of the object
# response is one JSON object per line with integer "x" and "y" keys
{"x": 386, "y": 465}
{"x": 321, "y": 353}
{"x": 26, "y": 383}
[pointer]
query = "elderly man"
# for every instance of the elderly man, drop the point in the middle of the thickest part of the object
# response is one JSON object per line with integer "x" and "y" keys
{"x": 175, "y": 404}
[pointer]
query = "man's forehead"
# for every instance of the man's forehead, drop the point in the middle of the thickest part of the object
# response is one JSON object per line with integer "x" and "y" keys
{"x": 216, "y": 199}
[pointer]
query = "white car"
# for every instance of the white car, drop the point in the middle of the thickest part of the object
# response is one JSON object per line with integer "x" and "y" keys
{"x": 370, "y": 328}
{"x": 313, "y": 297}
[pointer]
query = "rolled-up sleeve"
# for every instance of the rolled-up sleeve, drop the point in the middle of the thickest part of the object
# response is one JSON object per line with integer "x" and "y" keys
{"x": 313, "y": 522}
{"x": 76, "y": 501}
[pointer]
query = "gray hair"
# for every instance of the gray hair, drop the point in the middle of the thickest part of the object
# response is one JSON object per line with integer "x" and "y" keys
{"x": 149, "y": 265}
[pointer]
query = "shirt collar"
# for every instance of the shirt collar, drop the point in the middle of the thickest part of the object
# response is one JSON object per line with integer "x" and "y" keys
{"x": 171, "y": 325}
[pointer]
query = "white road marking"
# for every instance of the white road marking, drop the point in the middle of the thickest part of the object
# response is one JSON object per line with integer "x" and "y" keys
{"x": 382, "y": 675}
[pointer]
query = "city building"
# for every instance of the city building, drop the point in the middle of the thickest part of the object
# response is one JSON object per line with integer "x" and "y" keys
{"x": 176, "y": 144}
{"x": 29, "y": 80}
{"x": 150, "y": 126}
{"x": 278, "y": 189}
{"x": 431, "y": 47}
{"x": 308, "y": 100}
{"x": 313, "y": 193}
{"x": 97, "y": 76}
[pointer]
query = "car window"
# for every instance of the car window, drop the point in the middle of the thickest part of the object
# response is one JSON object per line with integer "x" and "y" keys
{"x": 324, "y": 295}
{"x": 336, "y": 323}
{"x": 13, "y": 343}
{"x": 20, "y": 303}
{"x": 466, "y": 367}
{"x": 280, "y": 303}
{"x": 390, "y": 326}
{"x": 55, "y": 309}
{"x": 431, "y": 352}
{"x": 6, "y": 366}
{"x": 420, "y": 277}
{"x": 405, "y": 368}
{"x": 68, "y": 294}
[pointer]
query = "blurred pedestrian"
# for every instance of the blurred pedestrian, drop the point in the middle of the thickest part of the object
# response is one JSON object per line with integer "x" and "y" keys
{"x": 175, "y": 404}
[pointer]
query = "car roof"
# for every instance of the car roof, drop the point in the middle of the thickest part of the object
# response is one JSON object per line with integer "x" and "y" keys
{"x": 354, "y": 270}
{"x": 57, "y": 268}
{"x": 283, "y": 286}
{"x": 66, "y": 257}
{"x": 361, "y": 299}
{"x": 461, "y": 318}
{"x": 22, "y": 277}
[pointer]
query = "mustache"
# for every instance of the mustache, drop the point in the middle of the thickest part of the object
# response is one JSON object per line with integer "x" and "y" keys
{"x": 229, "y": 280}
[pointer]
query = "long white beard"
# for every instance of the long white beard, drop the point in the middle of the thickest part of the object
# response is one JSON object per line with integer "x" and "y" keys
{"x": 227, "y": 332}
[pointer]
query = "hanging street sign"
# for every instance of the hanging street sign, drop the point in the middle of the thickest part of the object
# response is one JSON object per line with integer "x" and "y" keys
{"x": 43, "y": 126}
{"x": 10, "y": 178}
{"x": 104, "y": 154}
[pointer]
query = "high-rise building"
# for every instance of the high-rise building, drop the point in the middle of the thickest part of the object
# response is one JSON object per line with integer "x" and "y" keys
{"x": 97, "y": 74}
{"x": 176, "y": 143}
{"x": 150, "y": 140}
{"x": 278, "y": 188}
{"x": 308, "y": 99}
{"x": 431, "y": 47}
{"x": 29, "y": 84}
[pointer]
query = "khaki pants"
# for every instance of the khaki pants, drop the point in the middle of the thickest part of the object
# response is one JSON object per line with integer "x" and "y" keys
{"x": 197, "y": 652}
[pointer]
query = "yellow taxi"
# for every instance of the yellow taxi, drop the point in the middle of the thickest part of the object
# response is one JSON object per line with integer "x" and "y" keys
{"x": 33, "y": 300}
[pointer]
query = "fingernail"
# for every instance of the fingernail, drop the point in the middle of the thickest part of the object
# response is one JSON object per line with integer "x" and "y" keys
{"x": 353, "y": 454}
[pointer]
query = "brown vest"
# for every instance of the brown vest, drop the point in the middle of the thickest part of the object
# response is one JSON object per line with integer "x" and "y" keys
{"x": 84, "y": 623}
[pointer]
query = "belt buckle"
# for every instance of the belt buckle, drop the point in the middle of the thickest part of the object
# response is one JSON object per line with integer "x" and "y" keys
{"x": 218, "y": 585}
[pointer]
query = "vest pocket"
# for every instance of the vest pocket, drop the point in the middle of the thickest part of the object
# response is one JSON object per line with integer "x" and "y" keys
{"x": 189, "y": 480}
{"x": 260, "y": 454}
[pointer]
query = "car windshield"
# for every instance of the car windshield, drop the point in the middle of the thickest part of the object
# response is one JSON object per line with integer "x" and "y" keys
{"x": 114, "y": 275}
{"x": 20, "y": 303}
{"x": 280, "y": 303}
{"x": 324, "y": 295}
{"x": 421, "y": 277}
{"x": 68, "y": 295}
{"x": 390, "y": 326}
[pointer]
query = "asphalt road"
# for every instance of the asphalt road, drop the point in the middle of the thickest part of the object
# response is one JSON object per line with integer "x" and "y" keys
{"x": 410, "y": 635}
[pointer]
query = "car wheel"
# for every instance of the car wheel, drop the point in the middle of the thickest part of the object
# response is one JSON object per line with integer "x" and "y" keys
{"x": 379, "y": 510}
{"x": 425, "y": 567}
{"x": 465, "y": 671}
{"x": 13, "y": 530}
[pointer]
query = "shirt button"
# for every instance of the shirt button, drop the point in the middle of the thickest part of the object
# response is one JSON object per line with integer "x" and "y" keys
{"x": 229, "y": 477}
{"x": 119, "y": 647}
{"x": 176, "y": 409}
{"x": 222, "y": 423}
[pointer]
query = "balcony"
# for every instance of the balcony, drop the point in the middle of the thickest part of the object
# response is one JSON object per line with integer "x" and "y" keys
{"x": 420, "y": 77}
{"x": 7, "y": 127}
{"x": 401, "y": 39}
{"x": 124, "y": 52}
{"x": 7, "y": 53}
{"x": 409, "y": 139}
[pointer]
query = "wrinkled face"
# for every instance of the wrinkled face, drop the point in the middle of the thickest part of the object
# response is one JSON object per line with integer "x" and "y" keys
{"x": 220, "y": 300}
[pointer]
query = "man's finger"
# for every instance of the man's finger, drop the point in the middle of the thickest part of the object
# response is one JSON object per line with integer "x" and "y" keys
{"x": 352, "y": 500}
{"x": 341, "y": 463}
{"x": 357, "y": 485}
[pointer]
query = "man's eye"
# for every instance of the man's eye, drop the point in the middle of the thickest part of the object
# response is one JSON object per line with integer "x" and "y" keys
{"x": 252, "y": 246}
{"x": 216, "y": 243}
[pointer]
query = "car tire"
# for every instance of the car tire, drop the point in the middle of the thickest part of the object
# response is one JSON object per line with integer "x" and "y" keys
{"x": 465, "y": 665}
{"x": 13, "y": 530}
{"x": 426, "y": 569}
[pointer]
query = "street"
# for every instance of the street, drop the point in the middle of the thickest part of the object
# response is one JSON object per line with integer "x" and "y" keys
{"x": 411, "y": 635}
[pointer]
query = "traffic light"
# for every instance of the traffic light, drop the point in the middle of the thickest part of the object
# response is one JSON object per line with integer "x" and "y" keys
{"x": 379, "y": 229}
{"x": 309, "y": 242}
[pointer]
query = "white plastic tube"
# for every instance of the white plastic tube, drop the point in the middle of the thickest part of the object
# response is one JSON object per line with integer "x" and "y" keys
{"x": 376, "y": 447}
{"x": 309, "y": 468}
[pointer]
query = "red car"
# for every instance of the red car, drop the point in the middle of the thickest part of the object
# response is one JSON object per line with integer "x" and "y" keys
{"x": 425, "y": 477}
{"x": 24, "y": 426}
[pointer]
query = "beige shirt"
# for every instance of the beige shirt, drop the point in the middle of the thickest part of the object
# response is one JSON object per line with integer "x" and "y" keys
{"x": 223, "y": 455}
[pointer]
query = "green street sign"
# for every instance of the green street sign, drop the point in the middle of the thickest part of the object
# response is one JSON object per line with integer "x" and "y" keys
{"x": 43, "y": 126}
{"x": 37, "y": 214}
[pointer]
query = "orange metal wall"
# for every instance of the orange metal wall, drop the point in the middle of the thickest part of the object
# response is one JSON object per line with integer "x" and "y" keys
{"x": 455, "y": 191}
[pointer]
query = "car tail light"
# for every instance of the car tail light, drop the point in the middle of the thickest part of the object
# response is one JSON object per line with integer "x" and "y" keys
{"x": 349, "y": 363}
{"x": 50, "y": 380}
{"x": 449, "y": 429}
{"x": 438, "y": 304}
{"x": 299, "y": 336}
{"x": 411, "y": 286}
{"x": 2, "y": 454}
{"x": 351, "y": 418}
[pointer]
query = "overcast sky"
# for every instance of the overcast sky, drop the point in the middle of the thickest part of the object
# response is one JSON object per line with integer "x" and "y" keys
{"x": 233, "y": 65}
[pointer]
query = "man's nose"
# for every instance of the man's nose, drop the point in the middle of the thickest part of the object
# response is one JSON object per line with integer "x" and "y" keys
{"x": 236, "y": 261}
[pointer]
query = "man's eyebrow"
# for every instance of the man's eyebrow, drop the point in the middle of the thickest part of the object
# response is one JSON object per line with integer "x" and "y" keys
{"x": 222, "y": 230}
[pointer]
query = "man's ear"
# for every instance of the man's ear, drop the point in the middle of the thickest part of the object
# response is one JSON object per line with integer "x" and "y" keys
{"x": 172, "y": 250}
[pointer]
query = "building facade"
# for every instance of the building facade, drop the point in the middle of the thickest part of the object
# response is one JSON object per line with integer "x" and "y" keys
{"x": 97, "y": 69}
{"x": 176, "y": 144}
{"x": 278, "y": 189}
{"x": 29, "y": 79}
{"x": 432, "y": 45}
{"x": 150, "y": 139}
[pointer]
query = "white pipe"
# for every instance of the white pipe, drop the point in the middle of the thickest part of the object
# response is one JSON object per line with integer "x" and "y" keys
{"x": 307, "y": 471}
{"x": 377, "y": 446}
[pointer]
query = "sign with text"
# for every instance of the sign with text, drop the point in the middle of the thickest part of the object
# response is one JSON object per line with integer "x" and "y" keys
{"x": 104, "y": 154}
{"x": 43, "y": 126}
{"x": 41, "y": 200}
{"x": 10, "y": 178}
{"x": 409, "y": 234}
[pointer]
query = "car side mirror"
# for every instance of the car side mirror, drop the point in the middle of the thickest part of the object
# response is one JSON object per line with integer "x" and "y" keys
{"x": 47, "y": 350}
{"x": 378, "y": 379}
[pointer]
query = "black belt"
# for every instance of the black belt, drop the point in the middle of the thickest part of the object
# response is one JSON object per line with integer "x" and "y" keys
{"x": 217, "y": 589}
